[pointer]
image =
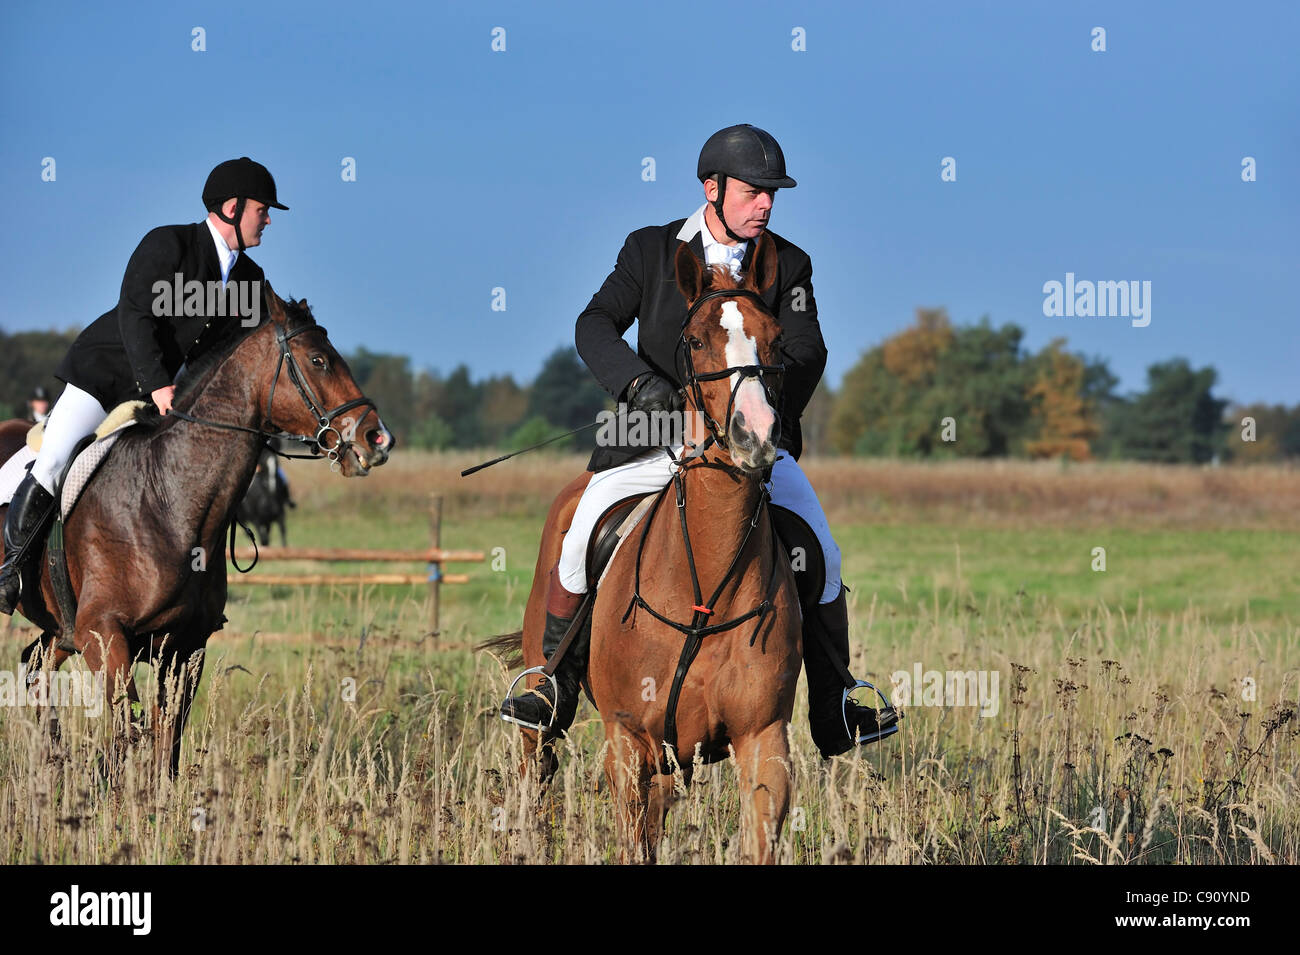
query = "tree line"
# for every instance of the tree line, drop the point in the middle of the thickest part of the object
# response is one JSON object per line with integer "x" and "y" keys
{"x": 931, "y": 390}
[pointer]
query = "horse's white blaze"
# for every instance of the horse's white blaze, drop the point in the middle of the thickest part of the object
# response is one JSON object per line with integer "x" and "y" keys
{"x": 751, "y": 400}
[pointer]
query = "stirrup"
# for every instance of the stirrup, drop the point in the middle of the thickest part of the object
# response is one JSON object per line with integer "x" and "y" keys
{"x": 554, "y": 706}
{"x": 880, "y": 732}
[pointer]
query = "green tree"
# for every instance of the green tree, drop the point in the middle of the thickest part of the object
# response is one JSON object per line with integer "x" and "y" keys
{"x": 1176, "y": 419}
{"x": 386, "y": 380}
{"x": 1276, "y": 433}
{"x": 881, "y": 406}
{"x": 461, "y": 400}
{"x": 982, "y": 382}
{"x": 565, "y": 395}
{"x": 28, "y": 359}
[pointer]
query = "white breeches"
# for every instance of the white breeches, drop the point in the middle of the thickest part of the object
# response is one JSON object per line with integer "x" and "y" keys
{"x": 75, "y": 415}
{"x": 651, "y": 471}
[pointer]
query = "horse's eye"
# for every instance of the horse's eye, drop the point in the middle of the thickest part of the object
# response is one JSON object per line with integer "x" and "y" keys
{"x": 695, "y": 343}
{"x": 318, "y": 361}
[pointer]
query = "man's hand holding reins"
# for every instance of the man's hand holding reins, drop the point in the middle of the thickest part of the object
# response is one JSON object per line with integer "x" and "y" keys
{"x": 163, "y": 398}
{"x": 651, "y": 393}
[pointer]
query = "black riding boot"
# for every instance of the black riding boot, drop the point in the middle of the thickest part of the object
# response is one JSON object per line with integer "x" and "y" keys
{"x": 31, "y": 506}
{"x": 535, "y": 706}
{"x": 826, "y": 715}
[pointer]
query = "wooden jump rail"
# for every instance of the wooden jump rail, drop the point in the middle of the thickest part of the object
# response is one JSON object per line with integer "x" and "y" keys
{"x": 433, "y": 556}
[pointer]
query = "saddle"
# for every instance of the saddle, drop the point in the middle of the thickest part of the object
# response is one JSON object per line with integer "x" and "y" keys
{"x": 89, "y": 453}
{"x": 83, "y": 463}
{"x": 618, "y": 521}
{"x": 797, "y": 540}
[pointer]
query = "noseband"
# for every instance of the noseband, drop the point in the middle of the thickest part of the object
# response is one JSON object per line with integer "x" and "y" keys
{"x": 320, "y": 442}
{"x": 692, "y": 379}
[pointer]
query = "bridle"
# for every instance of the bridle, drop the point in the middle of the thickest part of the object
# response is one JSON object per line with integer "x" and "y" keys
{"x": 318, "y": 443}
{"x": 692, "y": 379}
{"x": 702, "y": 610}
{"x": 324, "y": 419}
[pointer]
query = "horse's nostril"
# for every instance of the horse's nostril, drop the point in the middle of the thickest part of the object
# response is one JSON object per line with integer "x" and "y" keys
{"x": 377, "y": 438}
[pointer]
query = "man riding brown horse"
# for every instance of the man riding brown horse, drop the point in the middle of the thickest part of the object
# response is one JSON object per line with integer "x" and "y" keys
{"x": 187, "y": 289}
{"x": 741, "y": 168}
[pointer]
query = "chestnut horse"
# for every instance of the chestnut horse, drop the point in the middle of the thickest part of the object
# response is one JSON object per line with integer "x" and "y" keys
{"x": 145, "y": 542}
{"x": 739, "y": 690}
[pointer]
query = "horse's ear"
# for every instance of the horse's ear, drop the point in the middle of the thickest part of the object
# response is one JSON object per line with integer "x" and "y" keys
{"x": 690, "y": 274}
{"x": 762, "y": 267}
{"x": 274, "y": 303}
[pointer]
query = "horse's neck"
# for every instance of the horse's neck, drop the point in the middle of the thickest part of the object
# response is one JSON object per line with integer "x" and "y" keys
{"x": 720, "y": 509}
{"x": 213, "y": 466}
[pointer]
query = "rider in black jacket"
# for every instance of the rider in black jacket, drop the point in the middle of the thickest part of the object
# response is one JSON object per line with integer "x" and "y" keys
{"x": 187, "y": 288}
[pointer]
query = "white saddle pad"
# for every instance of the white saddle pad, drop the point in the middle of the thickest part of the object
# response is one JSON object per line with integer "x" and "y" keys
{"x": 13, "y": 472}
{"x": 15, "y": 469}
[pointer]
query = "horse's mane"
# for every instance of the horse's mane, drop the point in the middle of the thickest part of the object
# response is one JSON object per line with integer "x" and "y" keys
{"x": 720, "y": 276}
{"x": 198, "y": 374}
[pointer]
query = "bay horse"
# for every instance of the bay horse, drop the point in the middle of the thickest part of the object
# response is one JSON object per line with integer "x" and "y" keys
{"x": 738, "y": 692}
{"x": 145, "y": 541}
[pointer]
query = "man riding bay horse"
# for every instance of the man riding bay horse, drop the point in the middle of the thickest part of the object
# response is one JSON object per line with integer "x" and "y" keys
{"x": 741, "y": 168}
{"x": 136, "y": 349}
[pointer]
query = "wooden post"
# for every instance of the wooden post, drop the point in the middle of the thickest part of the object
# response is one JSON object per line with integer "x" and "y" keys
{"x": 435, "y": 568}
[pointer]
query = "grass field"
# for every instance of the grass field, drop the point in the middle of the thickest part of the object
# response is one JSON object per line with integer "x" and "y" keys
{"x": 1145, "y": 713}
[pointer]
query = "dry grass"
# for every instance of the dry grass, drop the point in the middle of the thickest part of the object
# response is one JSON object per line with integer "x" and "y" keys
{"x": 1101, "y": 751}
{"x": 1118, "y": 739}
{"x": 885, "y": 491}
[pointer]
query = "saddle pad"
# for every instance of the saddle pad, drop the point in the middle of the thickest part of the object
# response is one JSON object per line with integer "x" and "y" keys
{"x": 119, "y": 417}
{"x": 13, "y": 472}
{"x": 625, "y": 530}
{"x": 85, "y": 465}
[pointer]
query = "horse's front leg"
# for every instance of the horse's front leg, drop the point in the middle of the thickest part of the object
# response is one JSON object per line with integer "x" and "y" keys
{"x": 763, "y": 762}
{"x": 630, "y": 777}
{"x": 106, "y": 649}
{"x": 179, "y": 669}
{"x": 40, "y": 661}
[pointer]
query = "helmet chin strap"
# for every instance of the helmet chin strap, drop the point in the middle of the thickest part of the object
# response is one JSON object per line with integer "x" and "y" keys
{"x": 717, "y": 206}
{"x": 239, "y": 214}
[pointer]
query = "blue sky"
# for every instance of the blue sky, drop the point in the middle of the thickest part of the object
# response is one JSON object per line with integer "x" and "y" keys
{"x": 522, "y": 169}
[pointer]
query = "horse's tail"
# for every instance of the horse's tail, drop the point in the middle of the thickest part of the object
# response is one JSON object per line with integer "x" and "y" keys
{"x": 509, "y": 647}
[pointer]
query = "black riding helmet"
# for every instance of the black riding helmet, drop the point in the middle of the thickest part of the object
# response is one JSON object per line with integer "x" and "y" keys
{"x": 242, "y": 179}
{"x": 746, "y": 153}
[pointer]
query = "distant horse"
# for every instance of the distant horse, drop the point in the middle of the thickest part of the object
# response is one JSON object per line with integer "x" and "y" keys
{"x": 145, "y": 542}
{"x": 729, "y": 585}
{"x": 266, "y": 501}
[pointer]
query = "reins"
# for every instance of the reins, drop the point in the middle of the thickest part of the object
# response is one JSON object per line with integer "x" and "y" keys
{"x": 324, "y": 420}
{"x": 699, "y": 628}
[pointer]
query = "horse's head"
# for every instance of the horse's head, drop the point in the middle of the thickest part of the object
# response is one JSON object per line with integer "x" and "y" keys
{"x": 311, "y": 392}
{"x": 729, "y": 356}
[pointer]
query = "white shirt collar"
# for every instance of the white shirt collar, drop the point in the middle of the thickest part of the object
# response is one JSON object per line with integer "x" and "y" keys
{"x": 226, "y": 256}
{"x": 715, "y": 252}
